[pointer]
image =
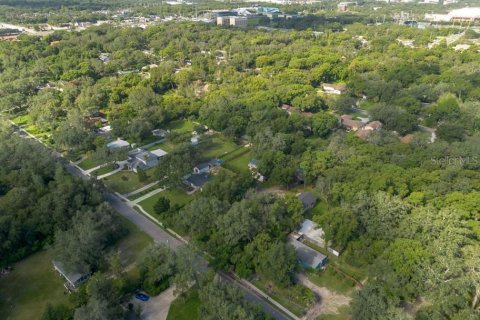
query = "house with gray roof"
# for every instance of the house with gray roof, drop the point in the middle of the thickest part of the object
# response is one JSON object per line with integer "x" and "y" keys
{"x": 307, "y": 199}
{"x": 196, "y": 181}
{"x": 205, "y": 167}
{"x": 74, "y": 279}
{"x": 307, "y": 257}
{"x": 140, "y": 159}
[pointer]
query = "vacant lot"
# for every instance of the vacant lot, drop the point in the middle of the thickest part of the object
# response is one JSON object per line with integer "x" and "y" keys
{"x": 125, "y": 181}
{"x": 219, "y": 146}
{"x": 25, "y": 292}
{"x": 239, "y": 164}
{"x": 296, "y": 298}
{"x": 176, "y": 196}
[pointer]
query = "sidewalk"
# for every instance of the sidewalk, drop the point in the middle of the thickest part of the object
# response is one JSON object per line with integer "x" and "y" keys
{"x": 148, "y": 195}
{"x": 140, "y": 190}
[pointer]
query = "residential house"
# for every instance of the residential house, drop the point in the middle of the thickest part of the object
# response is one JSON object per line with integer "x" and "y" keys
{"x": 348, "y": 123}
{"x": 74, "y": 279}
{"x": 307, "y": 199}
{"x": 160, "y": 133}
{"x": 310, "y": 231}
{"x": 196, "y": 181}
{"x": 118, "y": 144}
{"x": 366, "y": 130}
{"x": 334, "y": 88}
{"x": 308, "y": 257}
{"x": 140, "y": 159}
{"x": 206, "y": 167}
{"x": 373, "y": 126}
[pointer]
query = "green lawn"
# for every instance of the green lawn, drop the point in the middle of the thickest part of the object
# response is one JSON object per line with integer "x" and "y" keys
{"x": 124, "y": 181}
{"x": 218, "y": 148}
{"x": 106, "y": 169}
{"x": 240, "y": 163}
{"x": 332, "y": 280}
{"x": 138, "y": 195}
{"x": 88, "y": 163}
{"x": 21, "y": 120}
{"x": 176, "y": 196}
{"x": 185, "y": 307}
{"x": 181, "y": 126}
{"x": 25, "y": 292}
{"x": 344, "y": 313}
{"x": 132, "y": 245}
{"x": 296, "y": 298}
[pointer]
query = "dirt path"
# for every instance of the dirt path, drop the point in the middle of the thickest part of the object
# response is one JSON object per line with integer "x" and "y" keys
{"x": 329, "y": 301}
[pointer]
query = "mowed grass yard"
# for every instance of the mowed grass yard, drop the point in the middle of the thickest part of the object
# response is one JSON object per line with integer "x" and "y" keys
{"x": 239, "y": 164}
{"x": 176, "y": 196}
{"x": 181, "y": 126}
{"x": 185, "y": 307}
{"x": 131, "y": 246}
{"x": 125, "y": 181}
{"x": 219, "y": 147}
{"x": 26, "y": 291}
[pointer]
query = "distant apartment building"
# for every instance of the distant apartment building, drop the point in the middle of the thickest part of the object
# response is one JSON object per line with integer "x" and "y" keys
{"x": 223, "y": 21}
{"x": 236, "y": 21}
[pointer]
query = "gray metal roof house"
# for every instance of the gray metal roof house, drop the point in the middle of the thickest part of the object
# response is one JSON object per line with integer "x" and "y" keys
{"x": 74, "y": 279}
{"x": 308, "y": 257}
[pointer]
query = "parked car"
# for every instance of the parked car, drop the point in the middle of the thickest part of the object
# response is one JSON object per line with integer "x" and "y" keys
{"x": 142, "y": 296}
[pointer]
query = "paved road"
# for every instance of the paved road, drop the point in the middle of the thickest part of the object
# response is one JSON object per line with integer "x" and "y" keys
{"x": 160, "y": 235}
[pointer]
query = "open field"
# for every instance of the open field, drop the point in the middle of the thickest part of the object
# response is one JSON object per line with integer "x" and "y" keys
{"x": 185, "y": 307}
{"x": 25, "y": 292}
{"x": 176, "y": 196}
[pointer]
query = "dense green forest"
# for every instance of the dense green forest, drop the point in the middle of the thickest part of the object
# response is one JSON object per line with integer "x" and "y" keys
{"x": 407, "y": 212}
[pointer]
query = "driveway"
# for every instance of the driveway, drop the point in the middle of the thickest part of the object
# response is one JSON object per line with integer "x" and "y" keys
{"x": 157, "y": 307}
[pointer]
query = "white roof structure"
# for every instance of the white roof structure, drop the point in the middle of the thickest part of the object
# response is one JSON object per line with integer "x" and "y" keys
{"x": 159, "y": 152}
{"x": 119, "y": 143}
{"x": 465, "y": 13}
{"x": 311, "y": 230}
{"x": 105, "y": 129}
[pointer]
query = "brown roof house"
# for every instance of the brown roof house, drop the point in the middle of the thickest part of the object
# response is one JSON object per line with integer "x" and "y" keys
{"x": 365, "y": 131}
{"x": 350, "y": 124}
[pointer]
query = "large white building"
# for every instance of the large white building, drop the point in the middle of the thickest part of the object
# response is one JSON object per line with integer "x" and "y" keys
{"x": 464, "y": 14}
